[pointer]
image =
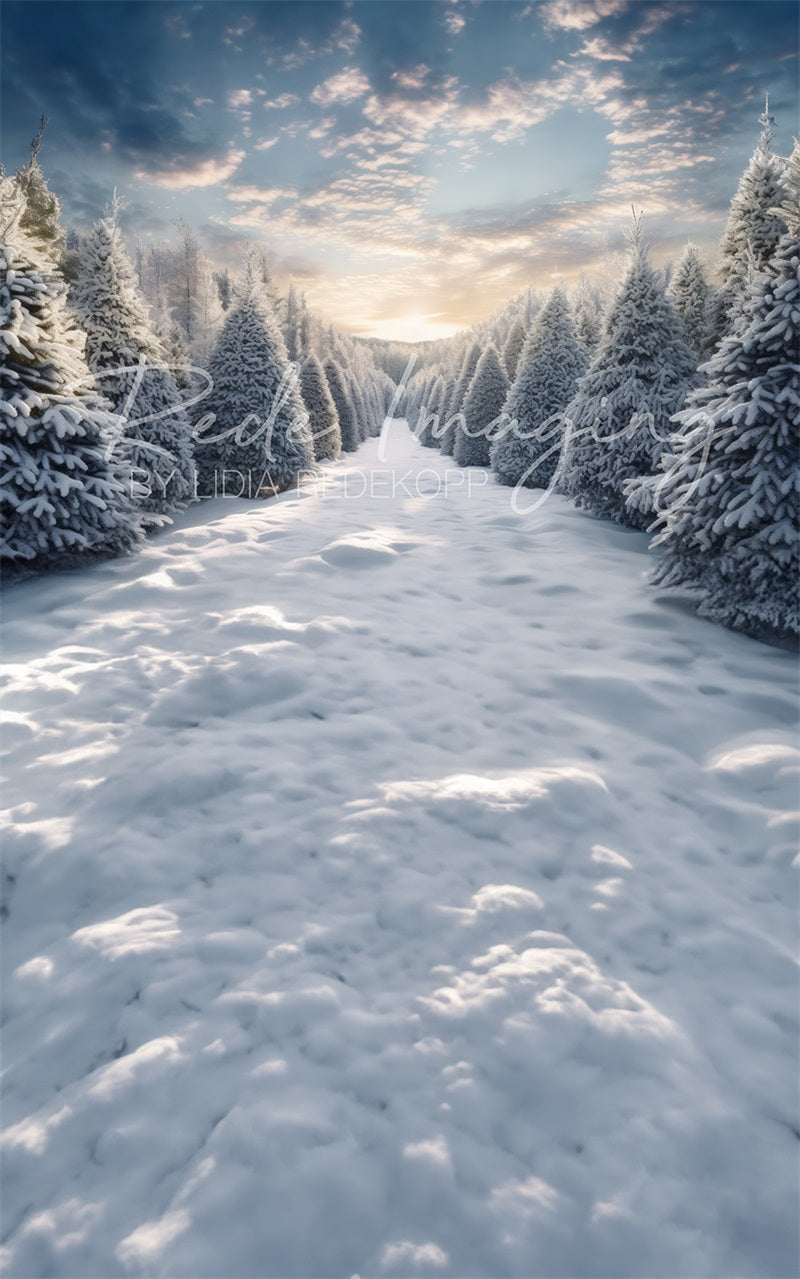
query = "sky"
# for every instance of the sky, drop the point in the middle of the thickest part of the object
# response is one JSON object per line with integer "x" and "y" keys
{"x": 410, "y": 165}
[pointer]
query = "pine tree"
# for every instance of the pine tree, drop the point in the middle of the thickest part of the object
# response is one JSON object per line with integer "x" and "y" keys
{"x": 428, "y": 427}
{"x": 482, "y": 411}
{"x": 323, "y": 418}
{"x": 260, "y": 430}
{"x": 456, "y": 404}
{"x": 588, "y": 317}
{"x": 344, "y": 410}
{"x": 729, "y": 494}
{"x": 755, "y": 225}
{"x": 61, "y": 497}
{"x": 691, "y": 296}
{"x": 529, "y": 448}
{"x": 513, "y": 349}
{"x": 156, "y": 435}
{"x": 619, "y": 416}
{"x": 41, "y": 214}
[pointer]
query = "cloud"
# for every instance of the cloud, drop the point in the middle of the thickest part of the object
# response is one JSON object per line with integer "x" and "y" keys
{"x": 578, "y": 15}
{"x": 239, "y": 98}
{"x": 454, "y": 22}
{"x": 202, "y": 173}
{"x": 248, "y": 194}
{"x": 266, "y": 144}
{"x": 346, "y": 86}
{"x": 280, "y": 103}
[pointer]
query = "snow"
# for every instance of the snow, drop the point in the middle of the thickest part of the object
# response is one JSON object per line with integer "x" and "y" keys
{"x": 396, "y": 885}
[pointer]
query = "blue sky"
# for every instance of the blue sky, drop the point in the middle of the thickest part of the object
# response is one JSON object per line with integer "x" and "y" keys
{"x": 411, "y": 164}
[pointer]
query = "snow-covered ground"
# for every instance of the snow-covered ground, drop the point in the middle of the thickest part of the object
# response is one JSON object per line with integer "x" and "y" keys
{"x": 395, "y": 886}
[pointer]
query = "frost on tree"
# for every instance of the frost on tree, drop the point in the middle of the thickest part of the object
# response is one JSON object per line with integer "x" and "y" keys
{"x": 618, "y": 421}
{"x": 129, "y": 364}
{"x": 40, "y": 218}
{"x": 513, "y": 349}
{"x": 428, "y": 426}
{"x": 61, "y": 496}
{"x": 259, "y": 440}
{"x": 344, "y": 410}
{"x": 755, "y": 225}
{"x": 323, "y": 418}
{"x": 588, "y": 317}
{"x": 456, "y": 403}
{"x": 691, "y": 298}
{"x": 729, "y": 494}
{"x": 529, "y": 448}
{"x": 483, "y": 408}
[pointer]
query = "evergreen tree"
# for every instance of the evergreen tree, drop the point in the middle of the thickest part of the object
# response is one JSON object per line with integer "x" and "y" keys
{"x": 755, "y": 225}
{"x": 344, "y": 410}
{"x": 222, "y": 280}
{"x": 729, "y": 495}
{"x": 156, "y": 436}
{"x": 61, "y": 496}
{"x": 428, "y": 427}
{"x": 588, "y": 318}
{"x": 691, "y": 296}
{"x": 513, "y": 349}
{"x": 322, "y": 415}
{"x": 528, "y": 450}
{"x": 482, "y": 411}
{"x": 454, "y": 408}
{"x": 260, "y": 432}
{"x": 619, "y": 416}
{"x": 40, "y": 219}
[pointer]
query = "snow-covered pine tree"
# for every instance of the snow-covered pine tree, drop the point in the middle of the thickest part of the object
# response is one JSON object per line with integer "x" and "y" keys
{"x": 754, "y": 227}
{"x": 619, "y": 417}
{"x": 61, "y": 497}
{"x": 155, "y": 432}
{"x": 588, "y": 317}
{"x": 482, "y": 411}
{"x": 260, "y": 431}
{"x": 456, "y": 404}
{"x": 344, "y": 410}
{"x": 428, "y": 428}
{"x": 690, "y": 296}
{"x": 323, "y": 418}
{"x": 729, "y": 493}
{"x": 41, "y": 213}
{"x": 513, "y": 349}
{"x": 529, "y": 449}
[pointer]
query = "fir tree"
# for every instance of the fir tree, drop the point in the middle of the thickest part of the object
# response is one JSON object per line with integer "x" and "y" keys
{"x": 344, "y": 410}
{"x": 618, "y": 419}
{"x": 428, "y": 431}
{"x": 260, "y": 432}
{"x": 41, "y": 213}
{"x": 588, "y": 318}
{"x": 156, "y": 436}
{"x": 483, "y": 408}
{"x": 729, "y": 495}
{"x": 513, "y": 349}
{"x": 61, "y": 496}
{"x": 323, "y": 418}
{"x": 690, "y": 296}
{"x": 455, "y": 406}
{"x": 755, "y": 225}
{"x": 529, "y": 448}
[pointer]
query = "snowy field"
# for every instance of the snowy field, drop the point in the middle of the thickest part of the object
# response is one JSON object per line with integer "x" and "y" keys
{"x": 395, "y": 887}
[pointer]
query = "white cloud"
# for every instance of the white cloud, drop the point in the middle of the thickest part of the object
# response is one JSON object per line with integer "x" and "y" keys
{"x": 239, "y": 98}
{"x": 345, "y": 86}
{"x": 282, "y": 102}
{"x": 245, "y": 194}
{"x": 578, "y": 15}
{"x": 454, "y": 22}
{"x": 266, "y": 143}
{"x": 204, "y": 173}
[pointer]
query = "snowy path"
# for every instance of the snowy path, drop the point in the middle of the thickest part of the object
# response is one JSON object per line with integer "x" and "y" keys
{"x": 395, "y": 887}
